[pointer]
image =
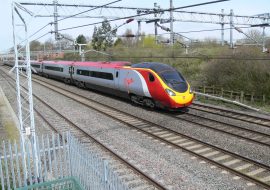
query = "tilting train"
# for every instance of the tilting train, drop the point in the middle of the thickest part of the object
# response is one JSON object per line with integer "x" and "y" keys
{"x": 150, "y": 84}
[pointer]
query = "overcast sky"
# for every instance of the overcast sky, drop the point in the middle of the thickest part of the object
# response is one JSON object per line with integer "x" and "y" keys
{"x": 240, "y": 7}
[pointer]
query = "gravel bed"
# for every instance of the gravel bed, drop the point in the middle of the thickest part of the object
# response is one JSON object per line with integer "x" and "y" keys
{"x": 239, "y": 123}
{"x": 196, "y": 175}
{"x": 93, "y": 122}
{"x": 41, "y": 126}
{"x": 174, "y": 167}
{"x": 250, "y": 150}
{"x": 242, "y": 111}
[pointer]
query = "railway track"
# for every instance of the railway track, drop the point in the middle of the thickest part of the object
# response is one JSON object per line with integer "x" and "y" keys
{"x": 262, "y": 121}
{"x": 225, "y": 127}
{"x": 237, "y": 164}
{"x": 64, "y": 124}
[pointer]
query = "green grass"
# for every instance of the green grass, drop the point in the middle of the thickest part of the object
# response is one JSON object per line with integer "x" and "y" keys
{"x": 9, "y": 126}
{"x": 263, "y": 107}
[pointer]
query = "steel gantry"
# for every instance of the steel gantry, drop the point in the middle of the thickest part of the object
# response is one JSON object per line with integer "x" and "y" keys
{"x": 178, "y": 15}
{"x": 61, "y": 10}
{"x": 24, "y": 86}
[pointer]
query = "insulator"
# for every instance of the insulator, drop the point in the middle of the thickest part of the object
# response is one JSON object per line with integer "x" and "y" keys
{"x": 129, "y": 20}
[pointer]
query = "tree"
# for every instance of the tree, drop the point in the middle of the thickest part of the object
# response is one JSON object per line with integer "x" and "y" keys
{"x": 81, "y": 39}
{"x": 67, "y": 41}
{"x": 35, "y": 46}
{"x": 253, "y": 37}
{"x": 149, "y": 42}
{"x": 118, "y": 42}
{"x": 49, "y": 44}
{"x": 128, "y": 39}
{"x": 103, "y": 36}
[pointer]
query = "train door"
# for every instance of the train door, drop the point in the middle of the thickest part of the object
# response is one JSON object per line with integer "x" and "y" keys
{"x": 71, "y": 72}
{"x": 116, "y": 78}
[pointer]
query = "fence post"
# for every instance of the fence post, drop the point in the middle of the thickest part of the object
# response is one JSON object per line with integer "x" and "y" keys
{"x": 221, "y": 92}
{"x": 6, "y": 166}
{"x": 204, "y": 90}
{"x": 231, "y": 96}
{"x": 105, "y": 167}
{"x": 252, "y": 97}
{"x": 263, "y": 98}
{"x": 242, "y": 97}
{"x": 12, "y": 165}
{"x": 1, "y": 173}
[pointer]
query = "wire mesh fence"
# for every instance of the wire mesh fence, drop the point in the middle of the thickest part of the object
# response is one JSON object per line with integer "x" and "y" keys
{"x": 60, "y": 162}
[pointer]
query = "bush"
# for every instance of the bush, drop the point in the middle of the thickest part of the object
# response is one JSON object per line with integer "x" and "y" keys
{"x": 236, "y": 74}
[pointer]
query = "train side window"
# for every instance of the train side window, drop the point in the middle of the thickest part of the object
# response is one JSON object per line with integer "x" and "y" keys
{"x": 116, "y": 74}
{"x": 151, "y": 77}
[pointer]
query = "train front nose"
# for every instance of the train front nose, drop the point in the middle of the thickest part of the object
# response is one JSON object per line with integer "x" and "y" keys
{"x": 181, "y": 100}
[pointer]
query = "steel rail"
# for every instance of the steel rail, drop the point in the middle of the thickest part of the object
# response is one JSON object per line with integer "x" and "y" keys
{"x": 152, "y": 181}
{"x": 126, "y": 118}
{"x": 229, "y": 129}
{"x": 146, "y": 127}
{"x": 237, "y": 115}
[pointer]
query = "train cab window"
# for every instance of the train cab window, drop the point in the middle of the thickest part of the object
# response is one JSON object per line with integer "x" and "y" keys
{"x": 151, "y": 77}
{"x": 116, "y": 74}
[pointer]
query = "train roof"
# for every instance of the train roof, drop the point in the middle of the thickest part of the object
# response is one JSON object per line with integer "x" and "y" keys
{"x": 104, "y": 64}
{"x": 157, "y": 67}
{"x": 93, "y": 64}
{"x": 59, "y": 62}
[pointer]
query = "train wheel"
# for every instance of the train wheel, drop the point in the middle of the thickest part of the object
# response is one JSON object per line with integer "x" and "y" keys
{"x": 67, "y": 81}
{"x": 149, "y": 103}
{"x": 81, "y": 84}
{"x": 136, "y": 100}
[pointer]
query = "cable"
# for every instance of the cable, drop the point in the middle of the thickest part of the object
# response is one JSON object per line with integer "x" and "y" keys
{"x": 34, "y": 34}
{"x": 88, "y": 10}
{"x": 192, "y": 31}
{"x": 50, "y": 23}
{"x": 42, "y": 36}
{"x": 194, "y": 57}
{"x": 150, "y": 12}
{"x": 35, "y": 39}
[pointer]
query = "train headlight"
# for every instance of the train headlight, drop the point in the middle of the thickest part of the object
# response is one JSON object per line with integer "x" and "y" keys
{"x": 170, "y": 92}
{"x": 190, "y": 90}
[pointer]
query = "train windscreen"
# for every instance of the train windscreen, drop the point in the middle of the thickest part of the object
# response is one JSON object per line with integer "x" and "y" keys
{"x": 174, "y": 80}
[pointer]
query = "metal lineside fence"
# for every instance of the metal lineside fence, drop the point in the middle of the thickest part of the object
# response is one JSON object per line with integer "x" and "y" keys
{"x": 239, "y": 96}
{"x": 63, "y": 163}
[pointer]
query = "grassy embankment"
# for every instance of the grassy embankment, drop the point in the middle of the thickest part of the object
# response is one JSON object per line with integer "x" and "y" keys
{"x": 10, "y": 131}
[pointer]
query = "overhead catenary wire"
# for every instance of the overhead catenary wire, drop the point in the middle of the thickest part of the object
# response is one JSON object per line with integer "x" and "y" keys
{"x": 50, "y": 23}
{"x": 143, "y": 14}
{"x": 183, "y": 32}
{"x": 35, "y": 39}
{"x": 97, "y": 7}
{"x": 210, "y": 57}
{"x": 34, "y": 34}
